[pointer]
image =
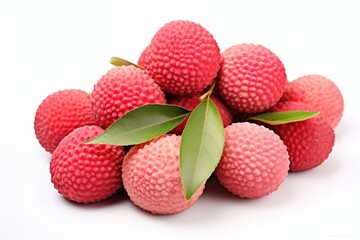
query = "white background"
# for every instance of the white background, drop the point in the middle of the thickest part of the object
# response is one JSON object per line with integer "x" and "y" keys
{"x": 46, "y": 46}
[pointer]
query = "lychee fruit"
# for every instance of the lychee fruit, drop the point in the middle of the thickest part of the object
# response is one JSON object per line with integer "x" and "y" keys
{"x": 86, "y": 173}
{"x": 121, "y": 90}
{"x": 254, "y": 162}
{"x": 59, "y": 114}
{"x": 143, "y": 57}
{"x": 309, "y": 142}
{"x": 151, "y": 176}
{"x": 319, "y": 92}
{"x": 183, "y": 58}
{"x": 190, "y": 102}
{"x": 252, "y": 78}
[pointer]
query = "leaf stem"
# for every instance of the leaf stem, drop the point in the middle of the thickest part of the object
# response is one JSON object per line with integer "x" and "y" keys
{"x": 116, "y": 61}
{"x": 208, "y": 92}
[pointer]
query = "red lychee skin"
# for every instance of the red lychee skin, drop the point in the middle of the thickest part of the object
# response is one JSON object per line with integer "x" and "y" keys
{"x": 144, "y": 56}
{"x": 191, "y": 102}
{"x": 309, "y": 142}
{"x": 319, "y": 92}
{"x": 151, "y": 176}
{"x": 121, "y": 90}
{"x": 86, "y": 173}
{"x": 59, "y": 114}
{"x": 183, "y": 58}
{"x": 254, "y": 162}
{"x": 252, "y": 79}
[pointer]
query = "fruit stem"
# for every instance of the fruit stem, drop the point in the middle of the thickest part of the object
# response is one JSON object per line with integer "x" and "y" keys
{"x": 116, "y": 61}
{"x": 208, "y": 92}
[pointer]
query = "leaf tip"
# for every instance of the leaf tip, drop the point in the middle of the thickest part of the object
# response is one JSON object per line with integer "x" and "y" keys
{"x": 188, "y": 195}
{"x": 115, "y": 61}
{"x": 90, "y": 141}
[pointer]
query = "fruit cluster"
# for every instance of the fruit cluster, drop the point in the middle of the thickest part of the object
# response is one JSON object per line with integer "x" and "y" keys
{"x": 181, "y": 62}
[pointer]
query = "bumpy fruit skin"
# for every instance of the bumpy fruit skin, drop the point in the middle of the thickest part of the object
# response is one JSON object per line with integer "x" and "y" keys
{"x": 252, "y": 79}
{"x": 59, "y": 114}
{"x": 144, "y": 55}
{"x": 183, "y": 58}
{"x": 254, "y": 161}
{"x": 86, "y": 173}
{"x": 319, "y": 92}
{"x": 121, "y": 90}
{"x": 151, "y": 176}
{"x": 309, "y": 142}
{"x": 191, "y": 102}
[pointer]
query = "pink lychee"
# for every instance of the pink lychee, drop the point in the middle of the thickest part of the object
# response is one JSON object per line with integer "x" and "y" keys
{"x": 254, "y": 162}
{"x": 251, "y": 79}
{"x": 151, "y": 176}
{"x": 183, "y": 58}
{"x": 319, "y": 92}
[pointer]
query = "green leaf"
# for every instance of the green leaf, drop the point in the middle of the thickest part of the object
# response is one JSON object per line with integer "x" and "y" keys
{"x": 201, "y": 147}
{"x": 277, "y": 118}
{"x": 142, "y": 124}
{"x": 120, "y": 62}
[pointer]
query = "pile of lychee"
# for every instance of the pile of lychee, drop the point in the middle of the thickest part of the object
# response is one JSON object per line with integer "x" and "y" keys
{"x": 177, "y": 67}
